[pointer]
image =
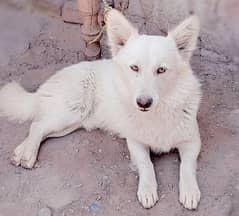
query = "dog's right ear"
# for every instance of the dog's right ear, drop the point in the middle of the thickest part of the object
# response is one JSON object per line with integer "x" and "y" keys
{"x": 185, "y": 36}
{"x": 119, "y": 30}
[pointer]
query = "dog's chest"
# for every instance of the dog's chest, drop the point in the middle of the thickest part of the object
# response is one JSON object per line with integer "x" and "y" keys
{"x": 160, "y": 132}
{"x": 159, "y": 135}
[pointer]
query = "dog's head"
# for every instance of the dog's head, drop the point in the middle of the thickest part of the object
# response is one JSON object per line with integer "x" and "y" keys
{"x": 149, "y": 65}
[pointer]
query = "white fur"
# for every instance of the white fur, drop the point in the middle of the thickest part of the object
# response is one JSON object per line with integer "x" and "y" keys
{"x": 102, "y": 94}
{"x": 16, "y": 103}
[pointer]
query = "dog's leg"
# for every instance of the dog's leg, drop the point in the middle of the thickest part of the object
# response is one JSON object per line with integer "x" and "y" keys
{"x": 147, "y": 188}
{"x": 189, "y": 193}
{"x": 26, "y": 153}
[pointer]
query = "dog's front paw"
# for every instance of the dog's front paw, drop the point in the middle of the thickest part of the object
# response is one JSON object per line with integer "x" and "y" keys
{"x": 189, "y": 194}
{"x": 24, "y": 157}
{"x": 147, "y": 194}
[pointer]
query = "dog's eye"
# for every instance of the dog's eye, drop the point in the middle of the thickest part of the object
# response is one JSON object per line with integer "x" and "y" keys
{"x": 161, "y": 70}
{"x": 134, "y": 68}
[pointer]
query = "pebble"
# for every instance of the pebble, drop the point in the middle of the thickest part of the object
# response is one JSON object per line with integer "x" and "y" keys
{"x": 79, "y": 185}
{"x": 94, "y": 207}
{"x": 98, "y": 197}
{"x": 45, "y": 212}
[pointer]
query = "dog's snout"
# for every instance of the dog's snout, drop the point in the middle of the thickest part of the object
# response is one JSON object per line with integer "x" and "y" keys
{"x": 144, "y": 102}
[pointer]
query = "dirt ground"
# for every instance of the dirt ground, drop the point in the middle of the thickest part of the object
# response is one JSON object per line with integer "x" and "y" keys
{"x": 89, "y": 173}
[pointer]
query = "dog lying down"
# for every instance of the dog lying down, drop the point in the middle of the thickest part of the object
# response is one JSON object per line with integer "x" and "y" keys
{"x": 147, "y": 93}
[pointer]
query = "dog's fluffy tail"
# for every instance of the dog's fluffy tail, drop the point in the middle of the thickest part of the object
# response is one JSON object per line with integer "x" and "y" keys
{"x": 16, "y": 103}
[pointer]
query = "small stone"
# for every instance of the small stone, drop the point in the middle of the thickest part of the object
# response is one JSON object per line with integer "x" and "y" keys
{"x": 45, "y": 212}
{"x": 70, "y": 12}
{"x": 79, "y": 186}
{"x": 98, "y": 197}
{"x": 94, "y": 207}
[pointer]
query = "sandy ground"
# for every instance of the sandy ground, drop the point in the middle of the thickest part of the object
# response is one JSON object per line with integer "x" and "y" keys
{"x": 89, "y": 173}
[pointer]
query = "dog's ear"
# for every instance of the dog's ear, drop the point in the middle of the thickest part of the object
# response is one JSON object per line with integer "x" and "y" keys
{"x": 119, "y": 30}
{"x": 185, "y": 36}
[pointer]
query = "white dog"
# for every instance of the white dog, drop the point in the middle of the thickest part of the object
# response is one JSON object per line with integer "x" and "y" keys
{"x": 147, "y": 93}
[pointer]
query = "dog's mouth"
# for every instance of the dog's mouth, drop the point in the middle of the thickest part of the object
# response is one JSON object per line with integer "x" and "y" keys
{"x": 144, "y": 110}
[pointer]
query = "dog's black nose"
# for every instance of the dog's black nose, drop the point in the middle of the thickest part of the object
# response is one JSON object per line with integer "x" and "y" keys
{"x": 144, "y": 102}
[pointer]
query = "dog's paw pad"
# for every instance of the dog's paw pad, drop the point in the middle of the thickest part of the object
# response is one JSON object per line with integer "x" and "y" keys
{"x": 147, "y": 195}
{"x": 189, "y": 196}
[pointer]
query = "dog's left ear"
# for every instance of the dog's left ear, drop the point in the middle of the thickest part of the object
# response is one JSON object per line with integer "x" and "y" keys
{"x": 185, "y": 36}
{"x": 119, "y": 30}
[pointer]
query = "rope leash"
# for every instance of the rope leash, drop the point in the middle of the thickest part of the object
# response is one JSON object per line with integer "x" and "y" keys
{"x": 107, "y": 8}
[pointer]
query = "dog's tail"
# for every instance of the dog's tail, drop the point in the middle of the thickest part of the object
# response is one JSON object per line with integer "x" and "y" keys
{"x": 16, "y": 103}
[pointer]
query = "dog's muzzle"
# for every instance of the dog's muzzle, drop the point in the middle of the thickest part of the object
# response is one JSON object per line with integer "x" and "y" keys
{"x": 144, "y": 103}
